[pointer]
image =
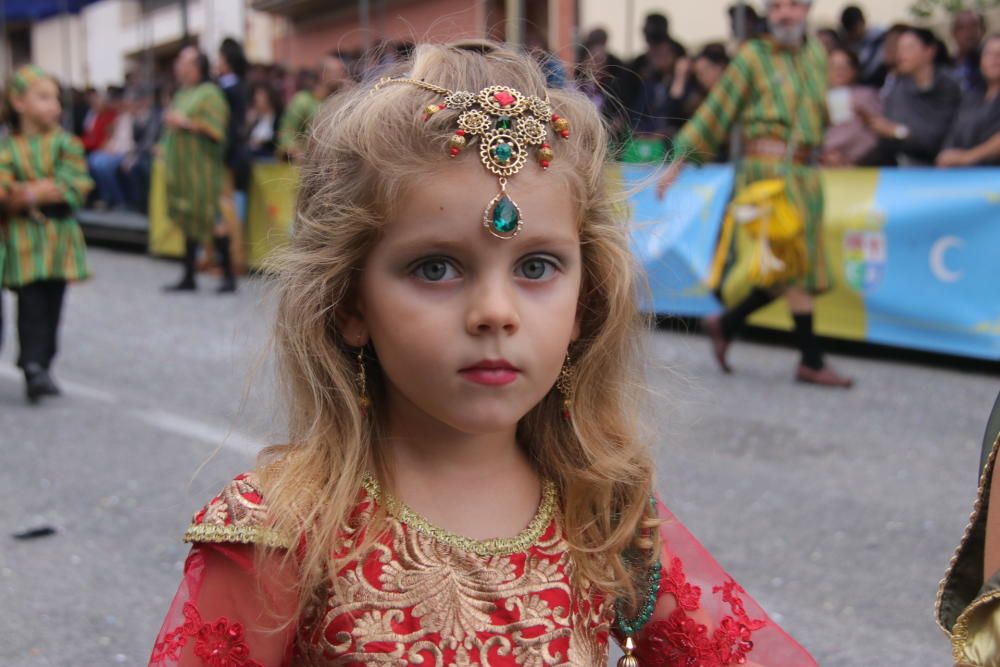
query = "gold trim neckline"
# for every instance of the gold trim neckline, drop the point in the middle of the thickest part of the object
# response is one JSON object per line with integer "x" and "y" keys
{"x": 494, "y": 546}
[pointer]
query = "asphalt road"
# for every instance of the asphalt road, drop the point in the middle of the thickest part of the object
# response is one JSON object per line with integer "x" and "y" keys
{"x": 837, "y": 510}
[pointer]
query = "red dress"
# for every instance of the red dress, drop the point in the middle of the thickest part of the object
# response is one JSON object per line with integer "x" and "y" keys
{"x": 421, "y": 595}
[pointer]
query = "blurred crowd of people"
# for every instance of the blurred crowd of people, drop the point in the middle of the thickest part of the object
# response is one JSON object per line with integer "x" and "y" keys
{"x": 897, "y": 96}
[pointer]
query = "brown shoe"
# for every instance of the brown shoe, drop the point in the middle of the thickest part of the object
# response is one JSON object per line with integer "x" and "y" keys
{"x": 825, "y": 377}
{"x": 712, "y": 326}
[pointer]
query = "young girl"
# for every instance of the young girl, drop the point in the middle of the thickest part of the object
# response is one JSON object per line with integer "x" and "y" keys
{"x": 466, "y": 482}
{"x": 43, "y": 178}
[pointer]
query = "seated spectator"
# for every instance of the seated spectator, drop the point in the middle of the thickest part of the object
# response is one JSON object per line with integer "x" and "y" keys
{"x": 709, "y": 65}
{"x": 263, "y": 121}
{"x": 662, "y": 105}
{"x": 848, "y": 139}
{"x": 968, "y": 29}
{"x": 137, "y": 167}
{"x": 975, "y": 135}
{"x": 745, "y": 23}
{"x": 104, "y": 162}
{"x": 707, "y": 68}
{"x": 920, "y": 107}
{"x": 830, "y": 39}
{"x": 603, "y": 78}
{"x": 97, "y": 122}
{"x": 885, "y": 75}
{"x": 864, "y": 42}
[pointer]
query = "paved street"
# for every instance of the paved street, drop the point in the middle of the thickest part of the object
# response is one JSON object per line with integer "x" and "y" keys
{"x": 837, "y": 510}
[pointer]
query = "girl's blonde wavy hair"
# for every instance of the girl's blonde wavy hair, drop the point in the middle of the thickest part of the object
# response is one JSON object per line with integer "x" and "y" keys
{"x": 364, "y": 146}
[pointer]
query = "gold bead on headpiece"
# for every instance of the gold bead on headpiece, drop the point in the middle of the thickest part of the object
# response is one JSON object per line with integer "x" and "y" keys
{"x": 505, "y": 122}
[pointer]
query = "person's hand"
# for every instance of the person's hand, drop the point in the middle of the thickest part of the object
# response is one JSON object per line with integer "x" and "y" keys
{"x": 682, "y": 70}
{"x": 877, "y": 123}
{"x": 176, "y": 120}
{"x": 669, "y": 177}
{"x": 46, "y": 191}
{"x": 953, "y": 157}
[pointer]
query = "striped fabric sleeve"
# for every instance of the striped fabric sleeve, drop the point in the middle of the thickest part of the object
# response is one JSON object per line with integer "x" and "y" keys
{"x": 292, "y": 123}
{"x": 709, "y": 128}
{"x": 212, "y": 114}
{"x": 7, "y": 177}
{"x": 71, "y": 173}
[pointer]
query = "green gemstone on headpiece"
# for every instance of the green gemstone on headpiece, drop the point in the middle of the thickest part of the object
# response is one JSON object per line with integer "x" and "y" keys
{"x": 505, "y": 216}
{"x": 503, "y": 152}
{"x": 504, "y": 123}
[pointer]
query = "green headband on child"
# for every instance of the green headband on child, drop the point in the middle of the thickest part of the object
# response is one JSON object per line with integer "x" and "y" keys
{"x": 24, "y": 77}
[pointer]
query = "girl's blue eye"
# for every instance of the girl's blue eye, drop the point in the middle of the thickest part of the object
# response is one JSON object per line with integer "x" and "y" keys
{"x": 537, "y": 268}
{"x": 436, "y": 270}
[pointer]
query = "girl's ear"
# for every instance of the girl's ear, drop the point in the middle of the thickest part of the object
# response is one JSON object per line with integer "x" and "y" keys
{"x": 351, "y": 325}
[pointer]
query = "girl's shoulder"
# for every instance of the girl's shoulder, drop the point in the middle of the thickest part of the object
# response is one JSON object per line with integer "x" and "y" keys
{"x": 237, "y": 514}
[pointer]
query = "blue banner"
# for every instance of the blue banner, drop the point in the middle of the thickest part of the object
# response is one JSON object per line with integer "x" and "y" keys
{"x": 674, "y": 238}
{"x": 914, "y": 253}
{"x": 939, "y": 288}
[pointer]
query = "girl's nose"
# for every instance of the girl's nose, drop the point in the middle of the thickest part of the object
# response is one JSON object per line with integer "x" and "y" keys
{"x": 493, "y": 309}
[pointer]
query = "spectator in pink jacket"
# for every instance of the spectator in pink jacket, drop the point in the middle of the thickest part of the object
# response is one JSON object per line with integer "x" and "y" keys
{"x": 848, "y": 139}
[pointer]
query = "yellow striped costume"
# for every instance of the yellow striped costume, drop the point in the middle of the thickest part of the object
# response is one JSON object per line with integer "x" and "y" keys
{"x": 775, "y": 93}
{"x": 48, "y": 246}
{"x": 194, "y": 160}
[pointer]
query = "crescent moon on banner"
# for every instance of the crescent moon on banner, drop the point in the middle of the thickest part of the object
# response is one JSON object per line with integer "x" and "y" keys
{"x": 937, "y": 259}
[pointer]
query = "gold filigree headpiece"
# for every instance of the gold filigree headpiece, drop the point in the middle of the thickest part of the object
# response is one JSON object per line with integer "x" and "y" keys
{"x": 505, "y": 122}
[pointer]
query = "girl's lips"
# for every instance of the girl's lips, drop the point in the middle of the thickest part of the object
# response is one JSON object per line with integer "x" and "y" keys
{"x": 495, "y": 377}
{"x": 491, "y": 373}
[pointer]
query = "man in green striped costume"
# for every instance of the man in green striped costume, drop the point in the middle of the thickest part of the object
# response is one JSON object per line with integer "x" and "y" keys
{"x": 193, "y": 151}
{"x": 775, "y": 88}
{"x": 302, "y": 108}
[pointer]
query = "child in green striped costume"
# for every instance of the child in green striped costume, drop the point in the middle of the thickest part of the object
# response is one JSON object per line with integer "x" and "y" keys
{"x": 43, "y": 180}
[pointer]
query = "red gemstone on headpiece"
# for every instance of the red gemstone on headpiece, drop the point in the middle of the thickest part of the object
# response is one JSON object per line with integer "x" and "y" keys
{"x": 545, "y": 164}
{"x": 460, "y": 133}
{"x": 504, "y": 98}
{"x": 564, "y": 134}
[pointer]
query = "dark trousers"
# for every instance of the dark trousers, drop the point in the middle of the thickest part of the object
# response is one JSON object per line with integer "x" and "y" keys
{"x": 39, "y": 305}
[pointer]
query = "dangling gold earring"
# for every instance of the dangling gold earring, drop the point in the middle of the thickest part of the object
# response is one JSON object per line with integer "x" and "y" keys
{"x": 363, "y": 401}
{"x": 567, "y": 376}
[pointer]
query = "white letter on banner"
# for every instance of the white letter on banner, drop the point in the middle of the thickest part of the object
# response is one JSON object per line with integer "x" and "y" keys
{"x": 938, "y": 250}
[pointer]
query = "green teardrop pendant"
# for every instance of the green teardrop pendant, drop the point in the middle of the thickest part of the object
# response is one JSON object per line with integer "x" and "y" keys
{"x": 504, "y": 123}
{"x": 505, "y": 217}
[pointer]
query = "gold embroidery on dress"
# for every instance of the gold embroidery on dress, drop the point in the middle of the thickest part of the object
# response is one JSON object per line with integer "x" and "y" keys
{"x": 449, "y": 598}
{"x": 233, "y": 517}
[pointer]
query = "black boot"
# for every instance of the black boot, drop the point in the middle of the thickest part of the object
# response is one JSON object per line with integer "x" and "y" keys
{"x": 187, "y": 283}
{"x": 228, "y": 284}
{"x": 38, "y": 383}
{"x": 731, "y": 322}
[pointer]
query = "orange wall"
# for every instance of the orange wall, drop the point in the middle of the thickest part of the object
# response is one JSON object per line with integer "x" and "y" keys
{"x": 301, "y": 44}
{"x": 306, "y": 41}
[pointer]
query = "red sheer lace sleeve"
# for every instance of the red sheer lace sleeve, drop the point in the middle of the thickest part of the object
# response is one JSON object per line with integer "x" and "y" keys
{"x": 219, "y": 618}
{"x": 703, "y": 617}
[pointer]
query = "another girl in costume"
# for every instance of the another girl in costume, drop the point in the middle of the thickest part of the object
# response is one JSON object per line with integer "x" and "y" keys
{"x": 466, "y": 481}
{"x": 43, "y": 175}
